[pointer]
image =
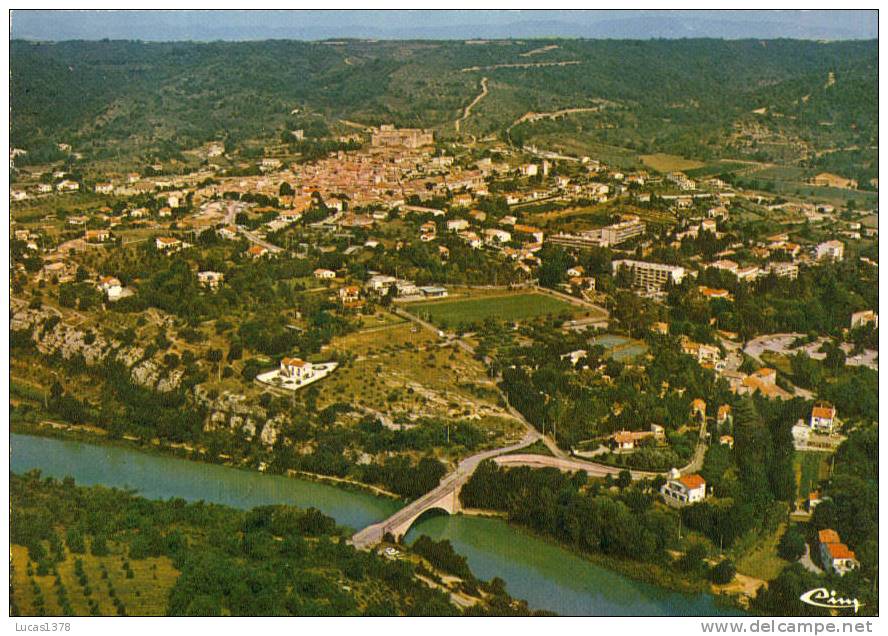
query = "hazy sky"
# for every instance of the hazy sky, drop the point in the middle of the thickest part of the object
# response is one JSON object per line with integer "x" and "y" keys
{"x": 445, "y": 24}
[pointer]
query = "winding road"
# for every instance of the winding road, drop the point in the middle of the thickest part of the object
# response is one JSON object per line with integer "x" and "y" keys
{"x": 468, "y": 109}
{"x": 445, "y": 494}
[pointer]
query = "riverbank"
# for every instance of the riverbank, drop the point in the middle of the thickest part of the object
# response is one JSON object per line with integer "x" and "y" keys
{"x": 648, "y": 573}
{"x": 547, "y": 575}
{"x": 99, "y": 437}
{"x": 730, "y": 596}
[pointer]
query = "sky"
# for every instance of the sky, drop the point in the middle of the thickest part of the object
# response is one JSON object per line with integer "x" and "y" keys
{"x": 208, "y": 25}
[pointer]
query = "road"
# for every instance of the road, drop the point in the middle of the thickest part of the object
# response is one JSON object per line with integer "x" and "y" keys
{"x": 230, "y": 214}
{"x": 468, "y": 109}
{"x": 568, "y": 465}
{"x": 807, "y": 562}
{"x": 493, "y": 67}
{"x": 451, "y": 483}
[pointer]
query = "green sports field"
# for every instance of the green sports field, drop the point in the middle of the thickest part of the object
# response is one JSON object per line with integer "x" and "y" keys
{"x": 450, "y": 313}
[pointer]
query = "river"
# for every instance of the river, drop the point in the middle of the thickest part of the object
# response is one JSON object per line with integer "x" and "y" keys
{"x": 547, "y": 576}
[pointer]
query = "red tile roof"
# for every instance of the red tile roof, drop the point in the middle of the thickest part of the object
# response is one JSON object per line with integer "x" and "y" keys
{"x": 840, "y": 551}
{"x": 692, "y": 481}
{"x": 828, "y": 536}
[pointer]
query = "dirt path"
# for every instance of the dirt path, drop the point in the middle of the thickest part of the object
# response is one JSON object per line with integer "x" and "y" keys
{"x": 542, "y": 49}
{"x": 468, "y": 109}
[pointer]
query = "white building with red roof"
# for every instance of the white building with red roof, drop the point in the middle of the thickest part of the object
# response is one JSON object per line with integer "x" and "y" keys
{"x": 823, "y": 417}
{"x": 684, "y": 490}
{"x": 834, "y": 554}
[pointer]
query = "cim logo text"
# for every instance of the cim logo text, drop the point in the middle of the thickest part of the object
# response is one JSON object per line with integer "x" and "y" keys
{"x": 822, "y": 597}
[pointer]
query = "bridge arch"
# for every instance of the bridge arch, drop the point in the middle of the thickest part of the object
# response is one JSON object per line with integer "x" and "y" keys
{"x": 448, "y": 503}
{"x": 433, "y": 511}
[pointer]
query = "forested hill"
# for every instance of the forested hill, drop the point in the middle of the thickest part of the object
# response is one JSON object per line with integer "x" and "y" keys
{"x": 682, "y": 95}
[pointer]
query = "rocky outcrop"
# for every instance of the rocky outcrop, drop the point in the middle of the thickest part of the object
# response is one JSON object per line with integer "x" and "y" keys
{"x": 52, "y": 336}
{"x": 229, "y": 411}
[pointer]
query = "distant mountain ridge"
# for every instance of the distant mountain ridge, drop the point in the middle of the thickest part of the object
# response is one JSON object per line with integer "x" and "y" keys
{"x": 767, "y": 100}
{"x": 445, "y": 24}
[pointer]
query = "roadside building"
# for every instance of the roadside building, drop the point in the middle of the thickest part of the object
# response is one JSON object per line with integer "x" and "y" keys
{"x": 684, "y": 490}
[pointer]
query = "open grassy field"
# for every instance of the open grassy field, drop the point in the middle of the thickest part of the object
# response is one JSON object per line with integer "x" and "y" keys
{"x": 662, "y": 162}
{"x": 584, "y": 143}
{"x": 145, "y": 594}
{"x": 721, "y": 166}
{"x": 761, "y": 560}
{"x": 404, "y": 372}
{"x": 522, "y": 306}
{"x": 810, "y": 467}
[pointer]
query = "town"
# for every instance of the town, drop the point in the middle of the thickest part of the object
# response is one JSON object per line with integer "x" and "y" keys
{"x": 666, "y": 368}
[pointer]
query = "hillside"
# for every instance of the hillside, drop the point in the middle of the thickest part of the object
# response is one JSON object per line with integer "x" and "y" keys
{"x": 689, "y": 97}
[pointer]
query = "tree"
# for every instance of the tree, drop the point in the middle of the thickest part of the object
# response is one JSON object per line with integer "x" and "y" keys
{"x": 792, "y": 544}
{"x": 692, "y": 559}
{"x": 624, "y": 478}
{"x": 723, "y": 572}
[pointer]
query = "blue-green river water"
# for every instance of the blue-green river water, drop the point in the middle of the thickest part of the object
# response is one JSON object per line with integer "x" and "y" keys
{"x": 545, "y": 575}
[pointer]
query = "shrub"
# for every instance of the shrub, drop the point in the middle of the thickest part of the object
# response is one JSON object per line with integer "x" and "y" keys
{"x": 723, "y": 572}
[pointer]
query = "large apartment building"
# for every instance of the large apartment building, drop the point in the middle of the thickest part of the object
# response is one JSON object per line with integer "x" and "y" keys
{"x": 604, "y": 237}
{"x": 650, "y": 276}
{"x": 621, "y": 232}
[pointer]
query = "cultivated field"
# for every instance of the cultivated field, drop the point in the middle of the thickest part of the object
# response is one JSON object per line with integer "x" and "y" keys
{"x": 144, "y": 593}
{"x": 661, "y": 162}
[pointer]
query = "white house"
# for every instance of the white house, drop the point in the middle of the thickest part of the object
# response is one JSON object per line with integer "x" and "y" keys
{"x": 296, "y": 368}
{"x": 494, "y": 236}
{"x": 860, "y": 318}
{"x": 210, "y": 279}
{"x": 684, "y": 490}
{"x": 97, "y": 236}
{"x": 257, "y": 251}
{"x": 831, "y": 250}
{"x": 381, "y": 282}
{"x": 167, "y": 243}
{"x": 574, "y": 356}
{"x": 111, "y": 286}
{"x": 324, "y": 274}
{"x": 457, "y": 225}
{"x": 823, "y": 417}
{"x": 105, "y": 188}
{"x": 229, "y": 232}
{"x": 835, "y": 555}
